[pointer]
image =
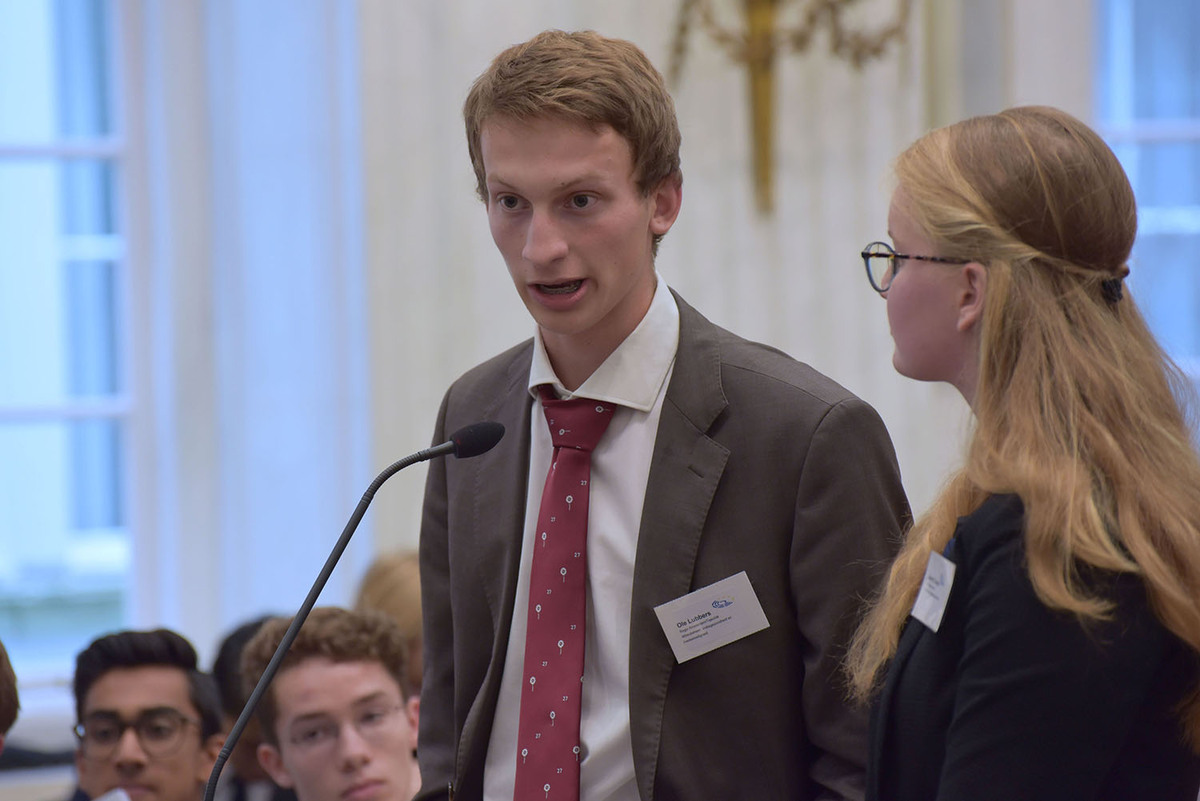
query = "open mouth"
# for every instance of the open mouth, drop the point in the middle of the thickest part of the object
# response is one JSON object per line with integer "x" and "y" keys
{"x": 565, "y": 288}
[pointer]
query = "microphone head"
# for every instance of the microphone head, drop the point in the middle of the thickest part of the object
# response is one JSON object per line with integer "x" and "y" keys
{"x": 476, "y": 438}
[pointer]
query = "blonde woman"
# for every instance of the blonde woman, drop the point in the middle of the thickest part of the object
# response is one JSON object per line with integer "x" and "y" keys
{"x": 1039, "y": 634}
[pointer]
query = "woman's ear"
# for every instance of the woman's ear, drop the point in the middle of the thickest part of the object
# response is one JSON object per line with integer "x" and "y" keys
{"x": 971, "y": 296}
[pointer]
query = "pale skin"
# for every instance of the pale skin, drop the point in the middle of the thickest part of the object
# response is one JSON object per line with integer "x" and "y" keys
{"x": 358, "y": 768}
{"x": 575, "y": 232}
{"x": 935, "y": 310}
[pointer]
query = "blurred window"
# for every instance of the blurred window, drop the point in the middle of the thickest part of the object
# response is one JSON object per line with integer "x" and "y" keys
{"x": 64, "y": 388}
{"x": 1148, "y": 108}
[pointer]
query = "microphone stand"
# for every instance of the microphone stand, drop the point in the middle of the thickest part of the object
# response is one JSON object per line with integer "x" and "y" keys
{"x": 472, "y": 435}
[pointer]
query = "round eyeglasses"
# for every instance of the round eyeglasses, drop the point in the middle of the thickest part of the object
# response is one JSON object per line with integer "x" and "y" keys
{"x": 159, "y": 732}
{"x": 883, "y": 262}
{"x": 375, "y": 723}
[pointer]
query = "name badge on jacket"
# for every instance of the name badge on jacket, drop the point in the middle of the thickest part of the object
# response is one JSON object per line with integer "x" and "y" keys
{"x": 935, "y": 591}
{"x": 712, "y": 616}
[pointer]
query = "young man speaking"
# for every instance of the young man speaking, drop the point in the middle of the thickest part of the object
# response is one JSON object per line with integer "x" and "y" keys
{"x": 650, "y": 455}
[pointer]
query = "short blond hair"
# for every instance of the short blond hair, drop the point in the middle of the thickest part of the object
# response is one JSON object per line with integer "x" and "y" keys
{"x": 586, "y": 78}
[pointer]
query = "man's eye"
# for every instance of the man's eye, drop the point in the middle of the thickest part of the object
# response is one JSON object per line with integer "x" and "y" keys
{"x": 372, "y": 717}
{"x": 104, "y": 732}
{"x": 311, "y": 735}
{"x": 507, "y": 202}
{"x": 158, "y": 730}
{"x": 582, "y": 201}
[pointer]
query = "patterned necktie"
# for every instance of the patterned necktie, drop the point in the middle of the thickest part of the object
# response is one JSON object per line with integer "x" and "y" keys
{"x": 548, "y": 733}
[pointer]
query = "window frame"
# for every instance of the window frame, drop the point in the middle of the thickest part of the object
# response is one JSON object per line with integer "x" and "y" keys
{"x": 119, "y": 407}
{"x": 1126, "y": 134}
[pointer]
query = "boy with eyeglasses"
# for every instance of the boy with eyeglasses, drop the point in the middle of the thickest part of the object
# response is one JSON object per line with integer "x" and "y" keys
{"x": 149, "y": 722}
{"x": 338, "y": 721}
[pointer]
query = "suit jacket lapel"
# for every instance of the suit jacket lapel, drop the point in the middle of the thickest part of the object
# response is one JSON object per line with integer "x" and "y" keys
{"x": 684, "y": 473}
{"x": 500, "y": 484}
{"x": 491, "y": 545}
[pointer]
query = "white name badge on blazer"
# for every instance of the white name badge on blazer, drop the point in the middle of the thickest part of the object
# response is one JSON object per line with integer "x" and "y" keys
{"x": 935, "y": 591}
{"x": 712, "y": 616}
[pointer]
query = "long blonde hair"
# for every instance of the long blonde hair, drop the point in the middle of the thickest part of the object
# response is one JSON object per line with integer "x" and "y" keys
{"x": 1077, "y": 410}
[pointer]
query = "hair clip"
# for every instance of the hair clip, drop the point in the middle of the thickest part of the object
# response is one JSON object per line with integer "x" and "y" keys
{"x": 1113, "y": 289}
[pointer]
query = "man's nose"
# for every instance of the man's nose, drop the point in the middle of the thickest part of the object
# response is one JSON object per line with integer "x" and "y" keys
{"x": 129, "y": 749}
{"x": 544, "y": 242}
{"x": 354, "y": 749}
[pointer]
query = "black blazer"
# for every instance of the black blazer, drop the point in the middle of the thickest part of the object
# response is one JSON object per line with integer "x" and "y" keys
{"x": 1010, "y": 700}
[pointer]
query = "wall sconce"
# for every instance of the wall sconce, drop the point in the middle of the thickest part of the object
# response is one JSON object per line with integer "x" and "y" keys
{"x": 764, "y": 37}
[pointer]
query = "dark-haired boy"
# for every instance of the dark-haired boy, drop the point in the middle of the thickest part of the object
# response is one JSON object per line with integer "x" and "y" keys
{"x": 243, "y": 778}
{"x": 149, "y": 721}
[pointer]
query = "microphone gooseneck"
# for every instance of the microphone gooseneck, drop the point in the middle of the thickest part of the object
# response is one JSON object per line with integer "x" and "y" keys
{"x": 472, "y": 440}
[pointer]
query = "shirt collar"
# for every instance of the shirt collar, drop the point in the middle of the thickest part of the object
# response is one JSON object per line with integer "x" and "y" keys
{"x": 634, "y": 373}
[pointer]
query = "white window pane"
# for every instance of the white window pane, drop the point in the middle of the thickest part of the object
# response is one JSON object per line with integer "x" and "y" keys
{"x": 1166, "y": 58}
{"x": 1165, "y": 279}
{"x": 59, "y": 282}
{"x": 64, "y": 539}
{"x": 1167, "y": 174}
{"x": 1148, "y": 91}
{"x": 62, "y": 532}
{"x": 54, "y": 70}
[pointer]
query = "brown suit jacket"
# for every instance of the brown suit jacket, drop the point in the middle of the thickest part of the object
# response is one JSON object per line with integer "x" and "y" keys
{"x": 760, "y": 464}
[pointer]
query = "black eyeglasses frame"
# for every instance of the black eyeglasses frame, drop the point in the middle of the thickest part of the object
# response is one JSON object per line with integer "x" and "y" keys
{"x": 97, "y": 750}
{"x": 894, "y": 258}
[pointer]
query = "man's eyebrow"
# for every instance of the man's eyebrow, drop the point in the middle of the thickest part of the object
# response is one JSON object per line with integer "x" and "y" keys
{"x": 141, "y": 713}
{"x": 590, "y": 177}
{"x": 378, "y": 695}
{"x": 308, "y": 717}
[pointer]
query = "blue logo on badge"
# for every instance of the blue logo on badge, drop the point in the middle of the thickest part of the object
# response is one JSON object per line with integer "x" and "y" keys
{"x": 721, "y": 603}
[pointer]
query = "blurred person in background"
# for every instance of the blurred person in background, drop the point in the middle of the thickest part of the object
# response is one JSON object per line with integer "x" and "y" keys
{"x": 338, "y": 721}
{"x": 148, "y": 720}
{"x": 243, "y": 778}
{"x": 10, "y": 701}
{"x": 392, "y": 585}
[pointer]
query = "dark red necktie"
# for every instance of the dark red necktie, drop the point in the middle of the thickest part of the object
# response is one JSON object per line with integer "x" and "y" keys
{"x": 548, "y": 733}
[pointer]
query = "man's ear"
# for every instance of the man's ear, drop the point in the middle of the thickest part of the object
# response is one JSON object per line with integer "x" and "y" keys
{"x": 210, "y": 749}
{"x": 272, "y": 762}
{"x": 667, "y": 198}
{"x": 412, "y": 709}
{"x": 80, "y": 766}
{"x": 971, "y": 296}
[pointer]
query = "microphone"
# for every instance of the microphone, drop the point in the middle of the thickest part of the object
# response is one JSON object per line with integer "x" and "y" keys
{"x": 466, "y": 442}
{"x": 476, "y": 439}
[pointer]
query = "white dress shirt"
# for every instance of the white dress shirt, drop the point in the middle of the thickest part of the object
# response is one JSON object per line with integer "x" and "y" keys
{"x": 635, "y": 377}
